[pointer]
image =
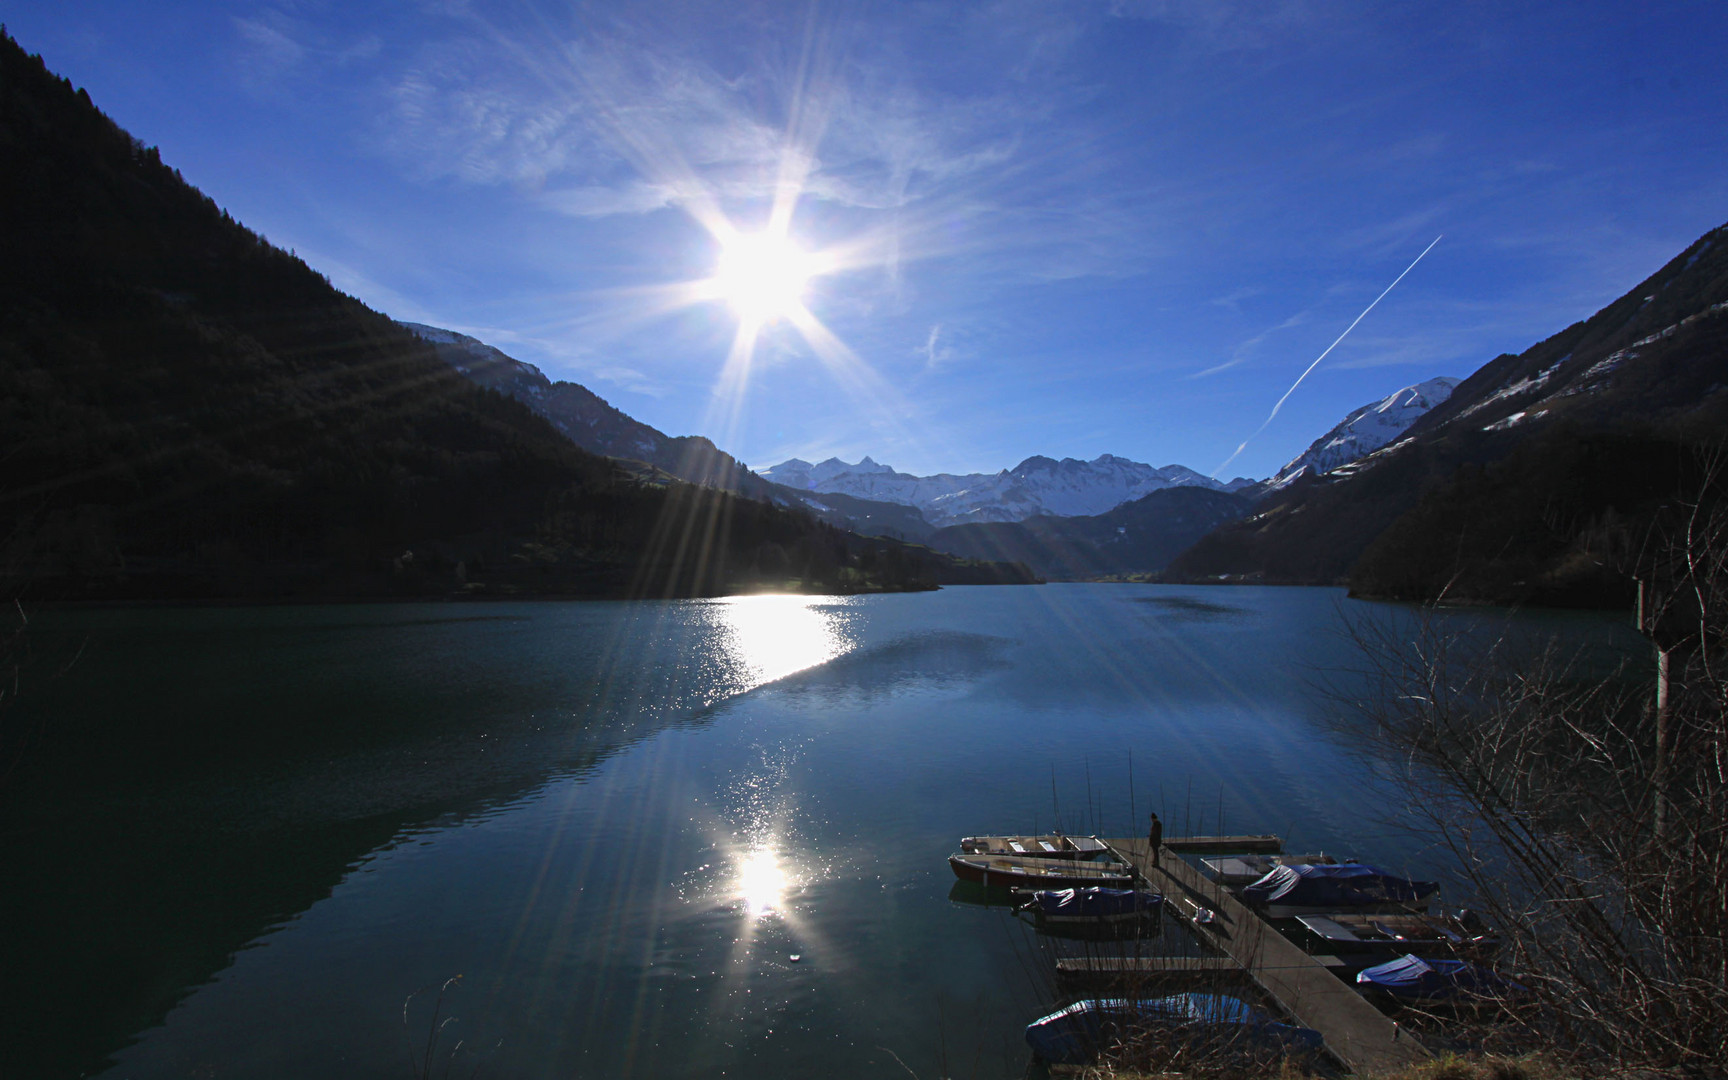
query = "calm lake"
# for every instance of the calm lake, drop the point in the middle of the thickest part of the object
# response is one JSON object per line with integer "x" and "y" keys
{"x": 690, "y": 838}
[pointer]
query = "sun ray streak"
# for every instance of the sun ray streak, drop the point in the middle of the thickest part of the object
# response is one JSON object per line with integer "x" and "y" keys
{"x": 725, "y": 413}
{"x": 857, "y": 378}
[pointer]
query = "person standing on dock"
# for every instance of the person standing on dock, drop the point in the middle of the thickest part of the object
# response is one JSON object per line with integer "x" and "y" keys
{"x": 1155, "y": 838}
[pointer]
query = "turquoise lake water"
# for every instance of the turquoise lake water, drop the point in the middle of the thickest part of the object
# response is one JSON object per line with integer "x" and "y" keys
{"x": 246, "y": 836}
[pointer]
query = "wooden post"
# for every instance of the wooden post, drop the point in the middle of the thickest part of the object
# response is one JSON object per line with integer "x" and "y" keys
{"x": 1662, "y": 740}
{"x": 1659, "y": 773}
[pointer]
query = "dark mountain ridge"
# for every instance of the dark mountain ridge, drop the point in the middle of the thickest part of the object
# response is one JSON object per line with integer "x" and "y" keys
{"x": 189, "y": 412}
{"x": 1513, "y": 479}
{"x": 1138, "y": 537}
{"x": 599, "y": 427}
{"x": 589, "y": 420}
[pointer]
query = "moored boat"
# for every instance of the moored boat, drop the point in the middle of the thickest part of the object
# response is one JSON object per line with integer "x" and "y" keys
{"x": 1054, "y": 846}
{"x": 1237, "y": 870}
{"x": 1026, "y": 872}
{"x": 1354, "y": 888}
{"x": 1392, "y": 934}
{"x": 1094, "y": 906}
{"x": 1427, "y": 981}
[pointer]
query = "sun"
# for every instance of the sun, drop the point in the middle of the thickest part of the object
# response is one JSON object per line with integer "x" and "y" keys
{"x": 763, "y": 275}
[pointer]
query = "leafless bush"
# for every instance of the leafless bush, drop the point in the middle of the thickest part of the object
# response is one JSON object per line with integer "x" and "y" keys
{"x": 1586, "y": 809}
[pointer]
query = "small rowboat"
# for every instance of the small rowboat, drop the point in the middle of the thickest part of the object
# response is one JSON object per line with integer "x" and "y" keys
{"x": 1394, "y": 935}
{"x": 1036, "y": 847}
{"x": 1026, "y": 872}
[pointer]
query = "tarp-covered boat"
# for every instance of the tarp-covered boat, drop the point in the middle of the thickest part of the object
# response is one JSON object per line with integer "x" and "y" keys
{"x": 1093, "y": 906}
{"x": 1237, "y": 870}
{"x": 1354, "y": 888}
{"x": 1076, "y": 1035}
{"x": 1410, "y": 978}
{"x": 1025, "y": 872}
{"x": 1055, "y": 846}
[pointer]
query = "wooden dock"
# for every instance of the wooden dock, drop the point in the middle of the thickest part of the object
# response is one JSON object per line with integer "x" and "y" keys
{"x": 1361, "y": 1037}
{"x": 1141, "y": 976}
{"x": 1266, "y": 844}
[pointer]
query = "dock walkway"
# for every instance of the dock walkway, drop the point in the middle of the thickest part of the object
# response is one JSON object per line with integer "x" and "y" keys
{"x": 1361, "y": 1037}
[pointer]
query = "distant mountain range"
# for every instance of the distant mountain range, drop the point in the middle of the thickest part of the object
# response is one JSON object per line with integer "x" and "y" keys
{"x": 1141, "y": 536}
{"x": 1138, "y": 537}
{"x": 598, "y": 427}
{"x": 864, "y": 497}
{"x": 1066, "y": 519}
{"x": 1036, "y": 486}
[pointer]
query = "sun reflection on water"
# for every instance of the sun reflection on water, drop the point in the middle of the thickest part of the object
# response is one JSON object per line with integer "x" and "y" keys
{"x": 770, "y": 637}
{"x": 762, "y": 882}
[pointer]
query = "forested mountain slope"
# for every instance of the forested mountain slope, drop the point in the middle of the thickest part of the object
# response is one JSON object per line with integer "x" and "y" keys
{"x": 1135, "y": 538}
{"x": 187, "y": 411}
{"x": 589, "y": 420}
{"x": 596, "y": 425}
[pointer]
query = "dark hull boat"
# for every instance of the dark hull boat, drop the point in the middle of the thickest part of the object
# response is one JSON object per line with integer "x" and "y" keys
{"x": 1354, "y": 888}
{"x": 1234, "y": 871}
{"x": 1025, "y": 872}
{"x": 1055, "y": 846}
{"x": 1394, "y": 935}
{"x": 1092, "y": 906}
{"x": 1094, "y": 912}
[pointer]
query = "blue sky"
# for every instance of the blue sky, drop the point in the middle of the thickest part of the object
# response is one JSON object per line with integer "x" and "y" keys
{"x": 1063, "y": 228}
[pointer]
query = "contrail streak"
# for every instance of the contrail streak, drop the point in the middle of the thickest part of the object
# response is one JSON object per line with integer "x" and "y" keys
{"x": 1274, "y": 413}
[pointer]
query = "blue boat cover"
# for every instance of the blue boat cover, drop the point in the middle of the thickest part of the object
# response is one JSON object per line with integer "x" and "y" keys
{"x": 1095, "y": 902}
{"x": 1415, "y": 979}
{"x": 1073, "y": 1036}
{"x": 1342, "y": 887}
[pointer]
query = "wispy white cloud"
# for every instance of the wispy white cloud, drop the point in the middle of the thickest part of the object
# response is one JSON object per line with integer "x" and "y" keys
{"x": 605, "y": 123}
{"x": 935, "y": 354}
{"x": 267, "y": 47}
{"x": 1245, "y": 350}
{"x": 274, "y": 46}
{"x": 1233, "y": 299}
{"x": 1388, "y": 237}
{"x": 1229, "y": 24}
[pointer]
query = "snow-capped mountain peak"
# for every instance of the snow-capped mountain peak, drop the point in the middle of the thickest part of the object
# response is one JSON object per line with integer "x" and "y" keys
{"x": 1038, "y": 485}
{"x": 1366, "y": 430}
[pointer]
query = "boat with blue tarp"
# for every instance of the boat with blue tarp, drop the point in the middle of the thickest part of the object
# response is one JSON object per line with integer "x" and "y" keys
{"x": 1093, "y": 909}
{"x": 1234, "y": 871}
{"x": 1289, "y": 891}
{"x": 1093, "y": 904}
{"x": 1411, "y": 978}
{"x": 1075, "y": 1035}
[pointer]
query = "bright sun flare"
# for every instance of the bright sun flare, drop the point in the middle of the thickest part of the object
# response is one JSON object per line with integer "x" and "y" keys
{"x": 763, "y": 275}
{"x": 761, "y": 882}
